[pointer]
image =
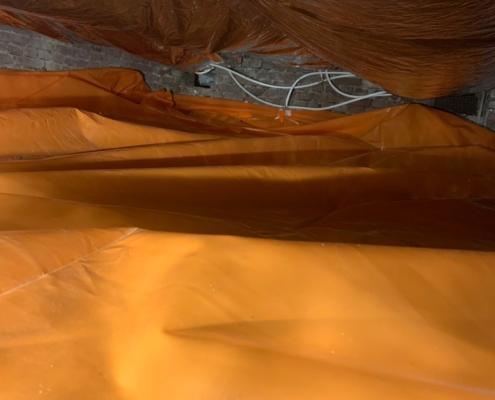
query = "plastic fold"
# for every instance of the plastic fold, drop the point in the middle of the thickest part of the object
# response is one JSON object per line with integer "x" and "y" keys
{"x": 418, "y": 49}
{"x": 160, "y": 246}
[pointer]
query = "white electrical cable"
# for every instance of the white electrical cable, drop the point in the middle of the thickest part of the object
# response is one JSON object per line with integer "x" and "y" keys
{"x": 330, "y": 76}
{"x": 257, "y": 82}
{"x": 351, "y": 96}
{"x": 205, "y": 71}
{"x": 344, "y": 103}
{"x": 294, "y": 85}
{"x": 337, "y": 90}
{"x": 353, "y": 100}
{"x": 251, "y": 94}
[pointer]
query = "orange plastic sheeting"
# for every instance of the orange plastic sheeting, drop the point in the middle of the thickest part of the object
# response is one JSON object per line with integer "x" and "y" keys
{"x": 171, "y": 31}
{"x": 414, "y": 49}
{"x": 241, "y": 253}
{"x": 418, "y": 49}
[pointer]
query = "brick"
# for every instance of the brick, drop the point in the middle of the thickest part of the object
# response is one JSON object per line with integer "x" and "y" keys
{"x": 303, "y": 96}
{"x": 4, "y": 40}
{"x": 251, "y": 62}
{"x": 19, "y": 39}
{"x": 67, "y": 61}
{"x": 37, "y": 64}
{"x": 177, "y": 74}
{"x": 231, "y": 93}
{"x": 14, "y": 50}
{"x": 43, "y": 54}
{"x": 222, "y": 78}
{"x": 6, "y": 59}
{"x": 70, "y": 52}
{"x": 358, "y": 107}
{"x": 50, "y": 65}
{"x": 381, "y": 102}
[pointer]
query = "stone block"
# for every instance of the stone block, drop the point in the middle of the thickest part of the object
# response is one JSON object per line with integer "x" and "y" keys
{"x": 6, "y": 60}
{"x": 14, "y": 50}
{"x": 382, "y": 102}
{"x": 251, "y": 62}
{"x": 37, "y": 64}
{"x": 358, "y": 107}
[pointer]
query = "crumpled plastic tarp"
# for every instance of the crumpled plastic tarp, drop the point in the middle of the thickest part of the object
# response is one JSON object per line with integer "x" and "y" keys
{"x": 158, "y": 246}
{"x": 418, "y": 49}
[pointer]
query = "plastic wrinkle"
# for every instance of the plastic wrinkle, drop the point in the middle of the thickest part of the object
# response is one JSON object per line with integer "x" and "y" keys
{"x": 421, "y": 51}
{"x": 36, "y": 279}
{"x": 176, "y": 247}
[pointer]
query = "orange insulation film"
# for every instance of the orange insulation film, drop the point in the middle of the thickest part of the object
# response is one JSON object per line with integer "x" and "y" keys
{"x": 154, "y": 246}
{"x": 418, "y": 49}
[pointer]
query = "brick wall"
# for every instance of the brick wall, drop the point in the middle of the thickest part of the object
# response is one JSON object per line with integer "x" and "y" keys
{"x": 21, "y": 49}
